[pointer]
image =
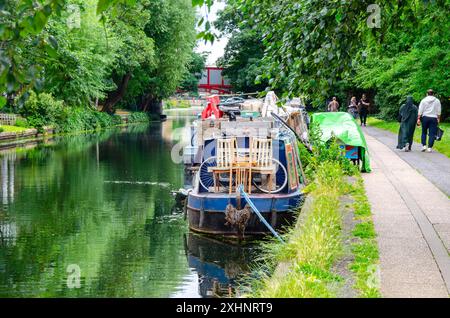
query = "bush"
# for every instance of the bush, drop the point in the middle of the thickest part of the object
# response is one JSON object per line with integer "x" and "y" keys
{"x": 175, "y": 103}
{"x": 41, "y": 110}
{"x": 169, "y": 104}
{"x": 117, "y": 120}
{"x": 323, "y": 152}
{"x": 22, "y": 123}
{"x": 138, "y": 117}
{"x": 389, "y": 104}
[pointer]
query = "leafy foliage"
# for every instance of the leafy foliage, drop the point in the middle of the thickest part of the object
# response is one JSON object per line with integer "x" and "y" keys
{"x": 138, "y": 117}
{"x": 326, "y": 48}
{"x": 323, "y": 152}
{"x": 85, "y": 52}
{"x": 244, "y": 50}
{"x": 410, "y": 62}
{"x": 78, "y": 70}
{"x": 41, "y": 110}
{"x": 193, "y": 73}
{"x": 44, "y": 110}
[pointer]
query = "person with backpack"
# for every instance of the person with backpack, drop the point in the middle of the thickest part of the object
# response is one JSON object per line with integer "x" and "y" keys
{"x": 429, "y": 116}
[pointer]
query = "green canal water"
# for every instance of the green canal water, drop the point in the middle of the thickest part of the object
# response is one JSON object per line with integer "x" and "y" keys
{"x": 102, "y": 204}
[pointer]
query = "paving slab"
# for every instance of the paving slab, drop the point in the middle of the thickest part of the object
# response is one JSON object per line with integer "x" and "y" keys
{"x": 410, "y": 215}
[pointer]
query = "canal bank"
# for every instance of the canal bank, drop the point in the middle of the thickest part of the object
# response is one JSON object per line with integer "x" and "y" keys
{"x": 26, "y": 136}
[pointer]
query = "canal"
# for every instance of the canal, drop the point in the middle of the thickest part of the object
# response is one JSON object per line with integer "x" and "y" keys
{"x": 100, "y": 207}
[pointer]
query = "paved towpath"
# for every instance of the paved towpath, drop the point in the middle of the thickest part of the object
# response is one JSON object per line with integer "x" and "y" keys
{"x": 412, "y": 219}
{"x": 433, "y": 166}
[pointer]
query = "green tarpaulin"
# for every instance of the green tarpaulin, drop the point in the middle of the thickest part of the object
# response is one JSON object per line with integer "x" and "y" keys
{"x": 343, "y": 127}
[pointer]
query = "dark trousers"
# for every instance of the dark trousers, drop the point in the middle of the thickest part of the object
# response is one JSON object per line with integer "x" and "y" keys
{"x": 429, "y": 127}
{"x": 363, "y": 116}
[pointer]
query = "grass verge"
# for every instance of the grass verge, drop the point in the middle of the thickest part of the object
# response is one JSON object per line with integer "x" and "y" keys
{"x": 6, "y": 128}
{"x": 442, "y": 146}
{"x": 302, "y": 267}
{"x": 365, "y": 249}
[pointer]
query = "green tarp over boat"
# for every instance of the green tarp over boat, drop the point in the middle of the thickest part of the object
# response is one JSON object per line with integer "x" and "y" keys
{"x": 343, "y": 127}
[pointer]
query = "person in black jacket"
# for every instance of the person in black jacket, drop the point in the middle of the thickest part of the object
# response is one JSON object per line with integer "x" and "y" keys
{"x": 407, "y": 117}
{"x": 363, "y": 109}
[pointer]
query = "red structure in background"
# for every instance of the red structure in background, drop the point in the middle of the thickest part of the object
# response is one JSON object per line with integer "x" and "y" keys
{"x": 213, "y": 102}
{"x": 213, "y": 82}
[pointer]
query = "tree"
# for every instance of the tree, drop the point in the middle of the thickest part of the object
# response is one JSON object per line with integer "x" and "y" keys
{"x": 410, "y": 61}
{"x": 136, "y": 49}
{"x": 193, "y": 73}
{"x": 244, "y": 50}
{"x": 28, "y": 41}
{"x": 78, "y": 70}
{"x": 173, "y": 32}
{"x": 318, "y": 47}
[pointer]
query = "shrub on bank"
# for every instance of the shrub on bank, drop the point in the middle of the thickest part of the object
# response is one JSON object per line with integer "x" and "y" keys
{"x": 23, "y": 123}
{"x": 175, "y": 103}
{"x": 138, "y": 117}
{"x": 43, "y": 110}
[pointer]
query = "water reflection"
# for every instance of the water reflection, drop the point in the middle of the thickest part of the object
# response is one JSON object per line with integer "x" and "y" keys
{"x": 217, "y": 265}
{"x": 7, "y": 177}
{"x": 104, "y": 202}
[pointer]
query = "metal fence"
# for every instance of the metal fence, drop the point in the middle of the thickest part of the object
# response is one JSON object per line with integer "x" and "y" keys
{"x": 8, "y": 119}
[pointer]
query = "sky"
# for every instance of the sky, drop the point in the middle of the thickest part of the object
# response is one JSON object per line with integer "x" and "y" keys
{"x": 217, "y": 48}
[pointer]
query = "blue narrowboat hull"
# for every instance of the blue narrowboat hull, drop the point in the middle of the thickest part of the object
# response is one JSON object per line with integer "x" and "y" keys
{"x": 206, "y": 212}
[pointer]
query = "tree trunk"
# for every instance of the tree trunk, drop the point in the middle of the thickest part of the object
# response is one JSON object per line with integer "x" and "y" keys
{"x": 115, "y": 96}
{"x": 144, "y": 105}
{"x": 151, "y": 104}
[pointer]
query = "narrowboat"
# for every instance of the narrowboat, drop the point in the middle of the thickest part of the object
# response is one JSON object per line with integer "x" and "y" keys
{"x": 234, "y": 150}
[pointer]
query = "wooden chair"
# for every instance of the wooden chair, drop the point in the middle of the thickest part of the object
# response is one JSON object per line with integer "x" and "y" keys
{"x": 226, "y": 156}
{"x": 261, "y": 159}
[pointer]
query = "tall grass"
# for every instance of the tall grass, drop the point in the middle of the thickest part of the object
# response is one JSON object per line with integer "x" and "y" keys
{"x": 302, "y": 267}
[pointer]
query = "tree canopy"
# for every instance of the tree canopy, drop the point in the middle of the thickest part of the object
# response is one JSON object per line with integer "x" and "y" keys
{"x": 321, "y": 47}
{"x": 96, "y": 51}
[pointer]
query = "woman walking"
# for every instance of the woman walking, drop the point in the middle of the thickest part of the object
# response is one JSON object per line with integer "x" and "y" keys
{"x": 353, "y": 107}
{"x": 407, "y": 117}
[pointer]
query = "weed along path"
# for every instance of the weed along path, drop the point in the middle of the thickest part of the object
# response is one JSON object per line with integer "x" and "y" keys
{"x": 412, "y": 221}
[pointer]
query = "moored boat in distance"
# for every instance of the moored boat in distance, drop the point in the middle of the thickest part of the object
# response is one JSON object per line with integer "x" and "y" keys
{"x": 234, "y": 149}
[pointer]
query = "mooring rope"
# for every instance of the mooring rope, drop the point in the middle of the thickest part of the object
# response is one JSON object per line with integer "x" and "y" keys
{"x": 252, "y": 205}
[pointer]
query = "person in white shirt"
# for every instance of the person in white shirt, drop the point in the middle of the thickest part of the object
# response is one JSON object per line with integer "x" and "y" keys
{"x": 429, "y": 117}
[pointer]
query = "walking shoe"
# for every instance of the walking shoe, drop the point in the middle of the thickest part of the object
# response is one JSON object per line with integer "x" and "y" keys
{"x": 406, "y": 149}
{"x": 429, "y": 150}
{"x": 424, "y": 148}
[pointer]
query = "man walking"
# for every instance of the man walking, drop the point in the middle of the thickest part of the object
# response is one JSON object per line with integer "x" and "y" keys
{"x": 333, "y": 106}
{"x": 429, "y": 116}
{"x": 363, "y": 109}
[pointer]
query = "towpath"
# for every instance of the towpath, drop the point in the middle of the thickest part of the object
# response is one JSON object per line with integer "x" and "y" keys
{"x": 411, "y": 213}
